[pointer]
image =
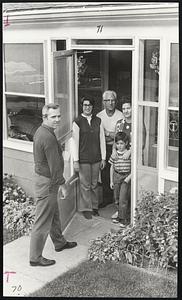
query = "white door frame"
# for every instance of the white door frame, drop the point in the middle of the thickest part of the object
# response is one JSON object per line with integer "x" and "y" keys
{"x": 134, "y": 99}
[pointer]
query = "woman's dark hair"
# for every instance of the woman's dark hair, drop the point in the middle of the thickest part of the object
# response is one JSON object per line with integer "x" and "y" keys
{"x": 126, "y": 101}
{"x": 87, "y": 98}
{"x": 122, "y": 136}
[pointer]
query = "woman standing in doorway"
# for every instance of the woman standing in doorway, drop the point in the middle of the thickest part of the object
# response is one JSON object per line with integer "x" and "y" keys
{"x": 89, "y": 154}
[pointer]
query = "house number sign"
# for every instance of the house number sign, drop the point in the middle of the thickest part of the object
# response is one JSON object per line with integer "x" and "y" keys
{"x": 99, "y": 28}
{"x": 173, "y": 126}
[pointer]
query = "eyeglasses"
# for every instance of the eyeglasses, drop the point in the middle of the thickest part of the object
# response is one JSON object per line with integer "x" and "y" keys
{"x": 87, "y": 105}
{"x": 110, "y": 100}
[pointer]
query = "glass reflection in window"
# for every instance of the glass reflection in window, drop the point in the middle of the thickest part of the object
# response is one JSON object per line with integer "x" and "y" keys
{"x": 24, "y": 116}
{"x": 149, "y": 133}
{"x": 24, "y": 68}
{"x": 151, "y": 70}
{"x": 173, "y": 141}
{"x": 61, "y": 94}
{"x": 174, "y": 76}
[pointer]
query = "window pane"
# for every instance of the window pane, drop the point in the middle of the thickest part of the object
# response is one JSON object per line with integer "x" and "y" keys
{"x": 61, "y": 93}
{"x": 89, "y": 69}
{"x": 104, "y": 42}
{"x": 90, "y": 77}
{"x": 24, "y": 116}
{"x": 24, "y": 68}
{"x": 174, "y": 76}
{"x": 173, "y": 134}
{"x": 151, "y": 70}
{"x": 148, "y": 136}
{"x": 60, "y": 45}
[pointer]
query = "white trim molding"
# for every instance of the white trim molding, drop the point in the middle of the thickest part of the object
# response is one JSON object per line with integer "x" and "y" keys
{"x": 147, "y": 11}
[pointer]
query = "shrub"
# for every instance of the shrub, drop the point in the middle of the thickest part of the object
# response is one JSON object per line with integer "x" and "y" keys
{"x": 18, "y": 208}
{"x": 152, "y": 241}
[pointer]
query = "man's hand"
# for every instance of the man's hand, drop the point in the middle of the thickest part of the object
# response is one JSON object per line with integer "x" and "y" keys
{"x": 102, "y": 164}
{"x": 114, "y": 153}
{"x": 128, "y": 178}
{"x": 127, "y": 154}
{"x": 111, "y": 185}
{"x": 109, "y": 136}
{"x": 64, "y": 191}
{"x": 76, "y": 166}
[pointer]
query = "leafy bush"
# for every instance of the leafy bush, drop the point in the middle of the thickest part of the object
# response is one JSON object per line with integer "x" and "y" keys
{"x": 152, "y": 241}
{"x": 18, "y": 208}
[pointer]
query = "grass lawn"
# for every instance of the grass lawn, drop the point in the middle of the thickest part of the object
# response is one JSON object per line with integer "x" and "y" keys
{"x": 92, "y": 279}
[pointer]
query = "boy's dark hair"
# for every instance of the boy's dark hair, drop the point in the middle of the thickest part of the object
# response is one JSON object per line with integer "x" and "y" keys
{"x": 87, "y": 98}
{"x": 122, "y": 136}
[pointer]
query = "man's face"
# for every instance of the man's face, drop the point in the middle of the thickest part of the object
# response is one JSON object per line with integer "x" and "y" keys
{"x": 53, "y": 118}
{"x": 109, "y": 102}
{"x": 126, "y": 109}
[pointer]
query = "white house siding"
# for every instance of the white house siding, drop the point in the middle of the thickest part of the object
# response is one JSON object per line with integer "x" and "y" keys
{"x": 20, "y": 164}
{"x": 87, "y": 29}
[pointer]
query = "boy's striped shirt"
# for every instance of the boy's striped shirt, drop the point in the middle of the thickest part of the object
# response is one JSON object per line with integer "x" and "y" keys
{"x": 121, "y": 165}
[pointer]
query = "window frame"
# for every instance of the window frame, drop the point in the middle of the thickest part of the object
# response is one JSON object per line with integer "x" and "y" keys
{"x": 141, "y": 103}
{"x": 170, "y": 108}
{"x": 165, "y": 172}
{"x": 14, "y": 143}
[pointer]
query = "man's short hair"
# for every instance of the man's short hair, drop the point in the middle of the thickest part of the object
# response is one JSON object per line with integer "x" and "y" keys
{"x": 46, "y": 108}
{"x": 87, "y": 98}
{"x": 113, "y": 93}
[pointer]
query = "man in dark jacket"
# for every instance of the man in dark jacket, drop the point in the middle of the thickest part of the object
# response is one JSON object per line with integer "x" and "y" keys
{"x": 49, "y": 166}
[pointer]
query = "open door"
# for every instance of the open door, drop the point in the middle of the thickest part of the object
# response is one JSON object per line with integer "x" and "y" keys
{"x": 63, "y": 94}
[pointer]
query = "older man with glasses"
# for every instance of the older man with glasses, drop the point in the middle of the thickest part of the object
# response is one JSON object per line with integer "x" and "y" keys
{"x": 109, "y": 116}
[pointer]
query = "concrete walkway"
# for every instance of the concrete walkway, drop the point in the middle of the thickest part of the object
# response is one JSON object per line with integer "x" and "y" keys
{"x": 20, "y": 279}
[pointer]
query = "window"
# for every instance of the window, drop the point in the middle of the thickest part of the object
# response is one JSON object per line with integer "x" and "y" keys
{"x": 24, "y": 116}
{"x": 148, "y": 115}
{"x": 149, "y": 136}
{"x": 60, "y": 45}
{"x": 24, "y": 70}
{"x": 24, "y": 89}
{"x": 90, "y": 77}
{"x": 103, "y": 42}
{"x": 148, "y": 103}
{"x": 151, "y": 70}
{"x": 173, "y": 110}
{"x": 63, "y": 80}
{"x": 63, "y": 83}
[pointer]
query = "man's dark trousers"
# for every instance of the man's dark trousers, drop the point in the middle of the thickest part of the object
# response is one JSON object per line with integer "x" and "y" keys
{"x": 46, "y": 218}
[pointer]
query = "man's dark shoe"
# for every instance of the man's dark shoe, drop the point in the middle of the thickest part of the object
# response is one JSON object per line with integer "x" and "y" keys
{"x": 95, "y": 212}
{"x": 68, "y": 245}
{"x": 43, "y": 262}
{"x": 87, "y": 214}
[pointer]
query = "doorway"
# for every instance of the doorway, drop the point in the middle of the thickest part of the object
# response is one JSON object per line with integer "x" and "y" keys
{"x": 98, "y": 71}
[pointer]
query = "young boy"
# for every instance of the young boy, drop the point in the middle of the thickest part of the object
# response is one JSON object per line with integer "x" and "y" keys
{"x": 120, "y": 178}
